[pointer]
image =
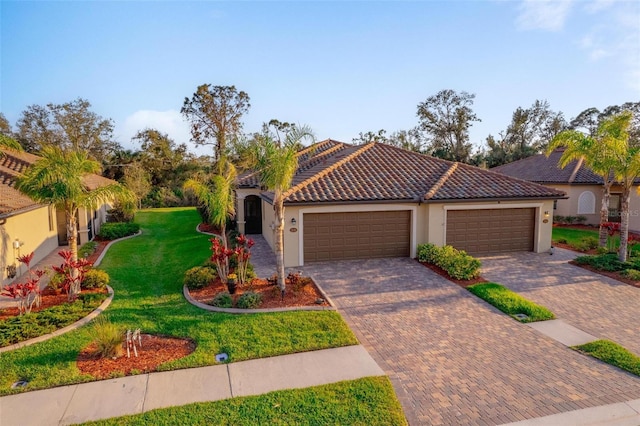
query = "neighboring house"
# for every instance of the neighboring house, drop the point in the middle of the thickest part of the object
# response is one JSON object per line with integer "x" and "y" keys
{"x": 26, "y": 226}
{"x": 583, "y": 187}
{"x": 376, "y": 200}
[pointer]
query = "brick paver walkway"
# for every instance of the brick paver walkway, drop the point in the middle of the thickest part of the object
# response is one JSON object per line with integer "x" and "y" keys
{"x": 599, "y": 305}
{"x": 452, "y": 358}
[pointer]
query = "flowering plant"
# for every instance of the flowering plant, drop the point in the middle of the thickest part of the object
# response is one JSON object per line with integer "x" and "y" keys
{"x": 26, "y": 294}
{"x": 220, "y": 257}
{"x": 243, "y": 254}
{"x": 73, "y": 272}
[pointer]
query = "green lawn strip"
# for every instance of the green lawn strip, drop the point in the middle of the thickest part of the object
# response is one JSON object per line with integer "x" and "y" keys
{"x": 510, "y": 303}
{"x": 572, "y": 236}
{"x": 612, "y": 353}
{"x": 367, "y": 401}
{"x": 146, "y": 275}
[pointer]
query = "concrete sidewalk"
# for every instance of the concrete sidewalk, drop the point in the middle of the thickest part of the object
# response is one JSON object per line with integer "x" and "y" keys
{"x": 136, "y": 394}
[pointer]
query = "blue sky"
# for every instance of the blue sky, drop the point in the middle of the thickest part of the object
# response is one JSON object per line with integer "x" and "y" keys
{"x": 340, "y": 67}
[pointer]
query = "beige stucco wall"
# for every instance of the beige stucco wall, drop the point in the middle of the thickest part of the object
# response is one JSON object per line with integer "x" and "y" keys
{"x": 436, "y": 233}
{"x": 36, "y": 229}
{"x": 99, "y": 217}
{"x": 428, "y": 223}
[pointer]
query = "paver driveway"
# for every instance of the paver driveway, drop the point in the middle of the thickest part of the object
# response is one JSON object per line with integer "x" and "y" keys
{"x": 599, "y": 305}
{"x": 452, "y": 358}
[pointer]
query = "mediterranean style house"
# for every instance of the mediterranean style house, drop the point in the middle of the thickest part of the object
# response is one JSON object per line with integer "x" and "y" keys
{"x": 582, "y": 186}
{"x": 27, "y": 226}
{"x": 376, "y": 200}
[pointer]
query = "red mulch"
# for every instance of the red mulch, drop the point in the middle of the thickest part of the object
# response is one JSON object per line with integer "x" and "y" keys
{"x": 49, "y": 298}
{"x": 155, "y": 350}
{"x": 205, "y": 227}
{"x": 568, "y": 247}
{"x": 615, "y": 275}
{"x": 462, "y": 283}
{"x": 578, "y": 226}
{"x": 99, "y": 249}
{"x": 302, "y": 295}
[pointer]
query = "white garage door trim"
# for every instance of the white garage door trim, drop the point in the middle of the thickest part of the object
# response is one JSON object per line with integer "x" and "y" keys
{"x": 352, "y": 209}
{"x": 538, "y": 215}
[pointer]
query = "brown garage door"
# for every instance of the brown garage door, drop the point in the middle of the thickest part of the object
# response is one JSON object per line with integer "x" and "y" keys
{"x": 491, "y": 231}
{"x": 357, "y": 235}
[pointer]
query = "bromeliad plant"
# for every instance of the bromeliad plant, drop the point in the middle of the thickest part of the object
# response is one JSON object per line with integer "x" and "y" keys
{"x": 73, "y": 272}
{"x": 243, "y": 254}
{"x": 26, "y": 294}
{"x": 220, "y": 257}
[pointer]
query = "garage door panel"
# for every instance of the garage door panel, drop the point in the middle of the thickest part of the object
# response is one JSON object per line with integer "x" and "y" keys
{"x": 356, "y": 235}
{"x": 492, "y": 230}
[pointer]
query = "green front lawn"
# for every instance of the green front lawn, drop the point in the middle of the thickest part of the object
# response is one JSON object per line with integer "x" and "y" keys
{"x": 146, "y": 275}
{"x": 510, "y": 303}
{"x": 368, "y": 401}
{"x": 572, "y": 236}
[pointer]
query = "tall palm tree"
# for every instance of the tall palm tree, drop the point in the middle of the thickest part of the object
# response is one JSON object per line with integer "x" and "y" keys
{"x": 277, "y": 162}
{"x": 58, "y": 178}
{"x": 597, "y": 156}
{"x": 627, "y": 168}
{"x": 8, "y": 143}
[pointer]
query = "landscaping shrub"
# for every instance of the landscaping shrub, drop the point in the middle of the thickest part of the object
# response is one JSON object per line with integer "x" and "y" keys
{"x": 115, "y": 230}
{"x": 603, "y": 262}
{"x": 249, "y": 300}
{"x": 632, "y": 274}
{"x": 87, "y": 249}
{"x": 222, "y": 300}
{"x": 20, "y": 328}
{"x": 457, "y": 263}
{"x": 198, "y": 277}
{"x": 581, "y": 219}
{"x": 109, "y": 338}
{"x": 510, "y": 302}
{"x": 558, "y": 219}
{"x": 586, "y": 244}
{"x": 56, "y": 282}
{"x": 95, "y": 278}
{"x": 562, "y": 240}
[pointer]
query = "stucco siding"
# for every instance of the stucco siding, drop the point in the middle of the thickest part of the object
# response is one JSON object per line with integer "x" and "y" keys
{"x": 36, "y": 229}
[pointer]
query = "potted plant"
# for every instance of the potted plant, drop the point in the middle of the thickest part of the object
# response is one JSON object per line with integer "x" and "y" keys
{"x": 232, "y": 281}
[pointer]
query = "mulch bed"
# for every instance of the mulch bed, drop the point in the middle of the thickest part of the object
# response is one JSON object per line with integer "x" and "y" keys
{"x": 294, "y": 296}
{"x": 568, "y": 247}
{"x": 49, "y": 298}
{"x": 578, "y": 226}
{"x": 155, "y": 350}
{"x": 205, "y": 227}
{"x": 99, "y": 249}
{"x": 615, "y": 275}
{"x": 462, "y": 283}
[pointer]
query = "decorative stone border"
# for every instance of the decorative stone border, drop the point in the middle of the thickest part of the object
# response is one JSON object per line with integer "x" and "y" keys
{"x": 206, "y": 307}
{"x": 80, "y": 322}
{"x": 66, "y": 329}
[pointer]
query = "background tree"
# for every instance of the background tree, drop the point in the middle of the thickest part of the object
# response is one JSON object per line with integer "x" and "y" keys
{"x": 277, "y": 162}
{"x": 215, "y": 114}
{"x": 529, "y": 133}
{"x": 5, "y": 126}
{"x": 137, "y": 180}
{"x": 597, "y": 153}
{"x": 367, "y": 137}
{"x": 58, "y": 178}
{"x": 71, "y": 125}
{"x": 589, "y": 120}
{"x": 445, "y": 119}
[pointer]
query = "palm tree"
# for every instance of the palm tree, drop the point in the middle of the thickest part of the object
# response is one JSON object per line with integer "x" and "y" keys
{"x": 8, "y": 143}
{"x": 627, "y": 168}
{"x": 216, "y": 195}
{"x": 277, "y": 162}
{"x": 597, "y": 156}
{"x": 58, "y": 178}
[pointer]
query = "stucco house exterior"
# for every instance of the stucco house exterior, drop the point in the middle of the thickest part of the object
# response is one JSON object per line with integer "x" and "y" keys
{"x": 27, "y": 226}
{"x": 376, "y": 200}
{"x": 582, "y": 186}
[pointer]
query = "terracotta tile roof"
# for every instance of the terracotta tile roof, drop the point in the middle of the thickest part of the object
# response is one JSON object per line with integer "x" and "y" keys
{"x": 542, "y": 169}
{"x": 378, "y": 172}
{"x": 12, "y": 165}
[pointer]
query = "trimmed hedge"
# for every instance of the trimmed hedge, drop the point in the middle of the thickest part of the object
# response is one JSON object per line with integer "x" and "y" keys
{"x": 198, "y": 277}
{"x": 95, "y": 278}
{"x": 115, "y": 230}
{"x": 457, "y": 263}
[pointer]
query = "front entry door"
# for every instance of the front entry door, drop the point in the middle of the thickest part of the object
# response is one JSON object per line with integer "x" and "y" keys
{"x": 252, "y": 215}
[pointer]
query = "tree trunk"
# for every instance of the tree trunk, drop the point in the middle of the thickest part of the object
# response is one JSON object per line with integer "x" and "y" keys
{"x": 604, "y": 214}
{"x": 278, "y": 205}
{"x": 72, "y": 239}
{"x": 624, "y": 223}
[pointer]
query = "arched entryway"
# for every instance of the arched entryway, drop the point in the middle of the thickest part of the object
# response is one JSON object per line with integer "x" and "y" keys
{"x": 252, "y": 215}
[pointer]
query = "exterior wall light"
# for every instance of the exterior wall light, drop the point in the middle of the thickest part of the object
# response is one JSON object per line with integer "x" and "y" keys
{"x": 546, "y": 214}
{"x": 293, "y": 221}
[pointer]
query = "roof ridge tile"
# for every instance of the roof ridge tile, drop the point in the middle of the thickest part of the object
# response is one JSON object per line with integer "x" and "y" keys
{"x": 445, "y": 176}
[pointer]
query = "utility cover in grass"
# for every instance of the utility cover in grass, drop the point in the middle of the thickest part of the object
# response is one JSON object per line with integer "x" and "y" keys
{"x": 511, "y": 303}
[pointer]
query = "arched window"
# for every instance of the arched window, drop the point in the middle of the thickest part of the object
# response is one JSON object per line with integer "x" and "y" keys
{"x": 587, "y": 203}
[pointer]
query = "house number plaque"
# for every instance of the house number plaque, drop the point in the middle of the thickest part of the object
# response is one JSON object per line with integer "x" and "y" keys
{"x": 293, "y": 229}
